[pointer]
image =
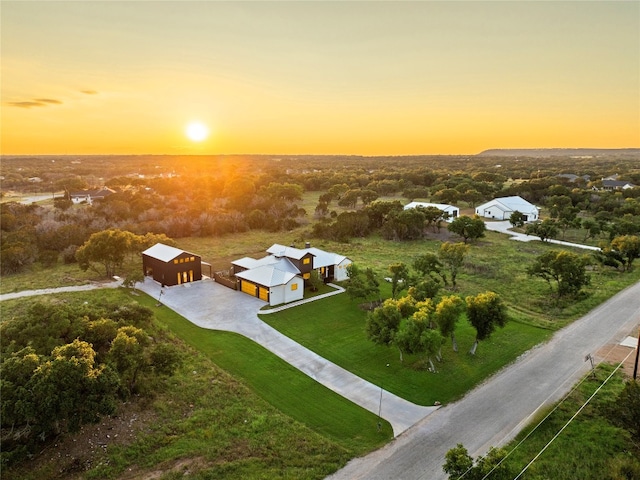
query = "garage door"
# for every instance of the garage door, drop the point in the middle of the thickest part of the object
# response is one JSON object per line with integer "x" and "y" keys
{"x": 264, "y": 294}
{"x": 248, "y": 287}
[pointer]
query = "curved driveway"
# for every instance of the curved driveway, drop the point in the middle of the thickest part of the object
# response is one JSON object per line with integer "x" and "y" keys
{"x": 212, "y": 306}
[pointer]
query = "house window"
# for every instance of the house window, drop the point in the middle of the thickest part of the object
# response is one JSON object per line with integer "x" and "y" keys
{"x": 306, "y": 261}
{"x": 192, "y": 259}
{"x": 294, "y": 286}
{"x": 175, "y": 261}
{"x": 306, "y": 276}
{"x": 182, "y": 260}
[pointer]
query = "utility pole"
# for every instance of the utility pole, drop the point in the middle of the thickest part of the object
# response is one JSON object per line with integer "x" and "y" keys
{"x": 635, "y": 368}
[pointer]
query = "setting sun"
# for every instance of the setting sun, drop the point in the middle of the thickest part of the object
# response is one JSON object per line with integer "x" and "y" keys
{"x": 197, "y": 131}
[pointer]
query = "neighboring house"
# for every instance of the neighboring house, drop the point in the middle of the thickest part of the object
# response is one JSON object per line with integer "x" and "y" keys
{"x": 450, "y": 210}
{"x": 502, "y": 208}
{"x": 88, "y": 196}
{"x": 608, "y": 184}
{"x": 171, "y": 266}
{"x": 280, "y": 276}
{"x": 572, "y": 178}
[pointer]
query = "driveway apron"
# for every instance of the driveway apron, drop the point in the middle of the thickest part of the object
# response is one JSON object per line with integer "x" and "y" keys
{"x": 215, "y": 307}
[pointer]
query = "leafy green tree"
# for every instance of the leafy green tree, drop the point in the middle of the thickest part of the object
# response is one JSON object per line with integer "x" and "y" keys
{"x": 361, "y": 284}
{"x": 383, "y": 323}
{"x": 628, "y": 246}
{"x": 424, "y": 289}
{"x": 591, "y": 228}
{"x": 547, "y": 228}
{"x": 76, "y": 390}
{"x": 314, "y": 281}
{"x": 282, "y": 191}
{"x": 108, "y": 248}
{"x": 399, "y": 278}
{"x": 447, "y": 313}
{"x": 516, "y": 219}
{"x": 457, "y": 462}
{"x": 485, "y": 312}
{"x": 452, "y": 256}
{"x": 627, "y": 408}
{"x": 415, "y": 337}
{"x": 428, "y": 264}
{"x": 567, "y": 269}
{"x": 165, "y": 359}
{"x": 469, "y": 228}
{"x": 127, "y": 355}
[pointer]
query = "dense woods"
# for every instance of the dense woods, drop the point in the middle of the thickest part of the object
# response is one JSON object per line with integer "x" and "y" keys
{"x": 213, "y": 196}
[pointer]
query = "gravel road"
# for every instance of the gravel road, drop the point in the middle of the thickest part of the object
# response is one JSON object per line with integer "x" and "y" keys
{"x": 496, "y": 411}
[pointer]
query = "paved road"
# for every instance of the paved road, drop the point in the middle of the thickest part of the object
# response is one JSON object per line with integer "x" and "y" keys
{"x": 495, "y": 412}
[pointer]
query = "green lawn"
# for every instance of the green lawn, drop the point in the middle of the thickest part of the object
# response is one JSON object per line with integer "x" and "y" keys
{"x": 282, "y": 385}
{"x": 335, "y": 329}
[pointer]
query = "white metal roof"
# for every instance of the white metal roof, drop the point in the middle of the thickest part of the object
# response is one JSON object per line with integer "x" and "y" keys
{"x": 163, "y": 252}
{"x": 325, "y": 259}
{"x": 267, "y": 276}
{"x": 517, "y": 203}
{"x": 442, "y": 206}
{"x": 282, "y": 251}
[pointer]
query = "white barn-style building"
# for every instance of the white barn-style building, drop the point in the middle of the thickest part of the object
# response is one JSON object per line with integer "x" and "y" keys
{"x": 451, "y": 211}
{"x": 502, "y": 208}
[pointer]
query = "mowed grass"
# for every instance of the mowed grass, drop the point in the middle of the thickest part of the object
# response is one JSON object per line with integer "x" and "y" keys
{"x": 335, "y": 329}
{"x": 280, "y": 384}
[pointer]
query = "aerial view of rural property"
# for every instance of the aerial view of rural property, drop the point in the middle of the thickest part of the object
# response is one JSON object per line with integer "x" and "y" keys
{"x": 319, "y": 240}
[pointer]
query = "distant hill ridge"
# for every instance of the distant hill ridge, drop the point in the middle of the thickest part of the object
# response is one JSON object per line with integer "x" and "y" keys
{"x": 557, "y": 152}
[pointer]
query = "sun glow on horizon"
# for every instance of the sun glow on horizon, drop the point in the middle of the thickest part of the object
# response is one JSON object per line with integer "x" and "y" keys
{"x": 196, "y": 131}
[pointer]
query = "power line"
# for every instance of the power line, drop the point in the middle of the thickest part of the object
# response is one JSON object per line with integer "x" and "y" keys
{"x": 571, "y": 419}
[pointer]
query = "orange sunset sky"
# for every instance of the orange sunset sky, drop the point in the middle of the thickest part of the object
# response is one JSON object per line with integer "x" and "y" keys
{"x": 368, "y": 78}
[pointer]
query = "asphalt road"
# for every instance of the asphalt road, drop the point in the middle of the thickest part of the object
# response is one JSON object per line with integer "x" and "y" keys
{"x": 496, "y": 411}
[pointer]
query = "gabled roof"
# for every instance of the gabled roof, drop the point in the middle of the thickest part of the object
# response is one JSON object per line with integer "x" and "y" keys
{"x": 163, "y": 252}
{"x": 290, "y": 252}
{"x": 267, "y": 276}
{"x": 325, "y": 259}
{"x": 442, "y": 206}
{"x": 508, "y": 204}
{"x": 616, "y": 183}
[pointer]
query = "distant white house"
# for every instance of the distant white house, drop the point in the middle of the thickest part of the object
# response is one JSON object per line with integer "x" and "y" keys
{"x": 88, "y": 196}
{"x": 502, "y": 208}
{"x": 451, "y": 211}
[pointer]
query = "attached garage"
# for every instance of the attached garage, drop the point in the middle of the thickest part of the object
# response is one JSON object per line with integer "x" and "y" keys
{"x": 171, "y": 266}
{"x": 271, "y": 284}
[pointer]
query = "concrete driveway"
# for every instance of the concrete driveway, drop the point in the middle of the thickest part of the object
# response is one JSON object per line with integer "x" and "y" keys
{"x": 213, "y": 306}
{"x": 505, "y": 227}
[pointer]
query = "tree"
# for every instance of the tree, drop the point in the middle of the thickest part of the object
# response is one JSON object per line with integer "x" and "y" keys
{"x": 133, "y": 278}
{"x": 361, "y": 284}
{"x": 517, "y": 219}
{"x": 567, "y": 269}
{"x": 485, "y": 312}
{"x": 457, "y": 462}
{"x": 399, "y": 277}
{"x": 383, "y": 323}
{"x": 108, "y": 247}
{"x": 127, "y": 355}
{"x": 424, "y": 289}
{"x": 415, "y": 337}
{"x": 428, "y": 264}
{"x": 314, "y": 280}
{"x": 468, "y": 227}
{"x": 452, "y": 256}
{"x": 627, "y": 407}
{"x": 628, "y": 246}
{"x": 447, "y": 314}
{"x": 546, "y": 229}
{"x": 75, "y": 389}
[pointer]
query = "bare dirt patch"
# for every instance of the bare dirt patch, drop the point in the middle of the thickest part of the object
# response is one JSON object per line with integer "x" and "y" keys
{"x": 71, "y": 454}
{"x": 614, "y": 354}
